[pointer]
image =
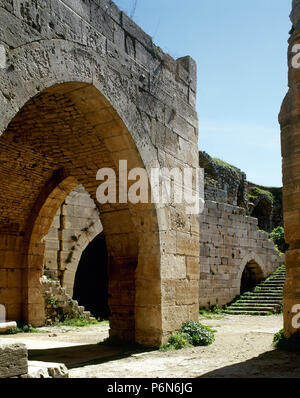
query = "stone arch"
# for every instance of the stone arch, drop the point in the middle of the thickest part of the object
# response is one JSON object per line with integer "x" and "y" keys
{"x": 76, "y": 224}
{"x": 251, "y": 272}
{"x": 251, "y": 276}
{"x": 66, "y": 76}
{"x": 83, "y": 241}
{"x": 33, "y": 246}
{"x": 93, "y": 71}
{"x": 87, "y": 107}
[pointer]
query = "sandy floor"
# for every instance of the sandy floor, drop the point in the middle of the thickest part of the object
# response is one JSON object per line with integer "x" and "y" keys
{"x": 242, "y": 349}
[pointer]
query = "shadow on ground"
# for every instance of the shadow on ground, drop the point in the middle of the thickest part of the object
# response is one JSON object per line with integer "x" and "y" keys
{"x": 82, "y": 355}
{"x": 271, "y": 364}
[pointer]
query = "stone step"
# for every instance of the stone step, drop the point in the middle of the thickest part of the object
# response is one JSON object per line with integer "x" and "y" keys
{"x": 232, "y": 312}
{"x": 279, "y": 280}
{"x": 270, "y": 302}
{"x": 269, "y": 288}
{"x": 253, "y": 304}
{"x": 258, "y": 308}
{"x": 268, "y": 291}
{"x": 268, "y": 294}
{"x": 261, "y": 297}
{"x": 264, "y": 299}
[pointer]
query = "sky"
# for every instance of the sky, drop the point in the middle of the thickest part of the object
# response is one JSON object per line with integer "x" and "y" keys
{"x": 240, "y": 48}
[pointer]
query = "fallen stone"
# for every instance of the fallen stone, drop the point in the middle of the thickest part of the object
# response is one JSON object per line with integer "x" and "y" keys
{"x": 4, "y": 326}
{"x": 13, "y": 359}
{"x": 39, "y": 369}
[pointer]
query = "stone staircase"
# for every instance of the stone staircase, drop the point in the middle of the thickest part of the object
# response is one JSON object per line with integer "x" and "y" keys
{"x": 264, "y": 299}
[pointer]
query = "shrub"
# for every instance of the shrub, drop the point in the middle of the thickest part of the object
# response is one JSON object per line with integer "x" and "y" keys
{"x": 191, "y": 334}
{"x": 291, "y": 344}
{"x": 256, "y": 192}
{"x": 197, "y": 333}
{"x": 277, "y": 236}
{"x": 212, "y": 310}
{"x": 176, "y": 341}
{"x": 21, "y": 329}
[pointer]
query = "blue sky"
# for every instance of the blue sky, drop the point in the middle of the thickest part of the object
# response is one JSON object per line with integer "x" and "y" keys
{"x": 240, "y": 48}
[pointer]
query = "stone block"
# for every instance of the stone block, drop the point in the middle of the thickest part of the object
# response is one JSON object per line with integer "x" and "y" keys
{"x": 39, "y": 369}
{"x": 13, "y": 359}
{"x": 173, "y": 267}
{"x": 4, "y": 326}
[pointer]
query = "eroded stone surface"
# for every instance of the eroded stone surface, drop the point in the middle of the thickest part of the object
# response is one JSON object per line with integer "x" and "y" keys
{"x": 290, "y": 125}
{"x": 229, "y": 241}
{"x": 13, "y": 359}
{"x": 83, "y": 88}
{"x": 39, "y": 369}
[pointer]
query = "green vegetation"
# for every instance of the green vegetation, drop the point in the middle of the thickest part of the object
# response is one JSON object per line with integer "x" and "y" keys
{"x": 212, "y": 312}
{"x": 191, "y": 334}
{"x": 222, "y": 163}
{"x": 210, "y": 182}
{"x": 291, "y": 344}
{"x": 52, "y": 300}
{"x": 277, "y": 236}
{"x": 177, "y": 341}
{"x": 81, "y": 322}
{"x": 256, "y": 192}
{"x": 22, "y": 329}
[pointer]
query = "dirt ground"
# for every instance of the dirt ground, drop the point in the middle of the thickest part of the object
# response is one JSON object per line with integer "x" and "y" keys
{"x": 242, "y": 348}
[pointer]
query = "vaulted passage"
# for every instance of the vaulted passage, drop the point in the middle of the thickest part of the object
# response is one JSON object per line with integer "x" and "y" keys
{"x": 251, "y": 276}
{"x": 81, "y": 91}
{"x": 91, "y": 279}
{"x": 58, "y": 140}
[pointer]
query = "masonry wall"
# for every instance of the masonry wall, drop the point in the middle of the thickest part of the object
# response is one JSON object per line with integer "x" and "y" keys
{"x": 289, "y": 119}
{"x": 228, "y": 241}
{"x": 108, "y": 92}
{"x": 74, "y": 226}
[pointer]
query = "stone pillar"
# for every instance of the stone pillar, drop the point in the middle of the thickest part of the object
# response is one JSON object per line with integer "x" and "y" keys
{"x": 289, "y": 119}
{"x": 32, "y": 291}
{"x": 11, "y": 275}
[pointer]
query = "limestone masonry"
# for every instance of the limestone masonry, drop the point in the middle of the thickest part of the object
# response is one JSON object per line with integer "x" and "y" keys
{"x": 81, "y": 88}
{"x": 230, "y": 240}
{"x": 290, "y": 124}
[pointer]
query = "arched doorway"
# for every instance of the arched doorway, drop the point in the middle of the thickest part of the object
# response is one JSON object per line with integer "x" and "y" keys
{"x": 251, "y": 276}
{"x": 68, "y": 110}
{"x": 75, "y": 225}
{"x": 58, "y": 140}
{"x": 91, "y": 279}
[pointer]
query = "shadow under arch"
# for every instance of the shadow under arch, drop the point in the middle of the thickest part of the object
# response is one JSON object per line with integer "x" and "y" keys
{"x": 73, "y": 127}
{"x": 251, "y": 272}
{"x": 262, "y": 210}
{"x": 91, "y": 278}
{"x": 251, "y": 276}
